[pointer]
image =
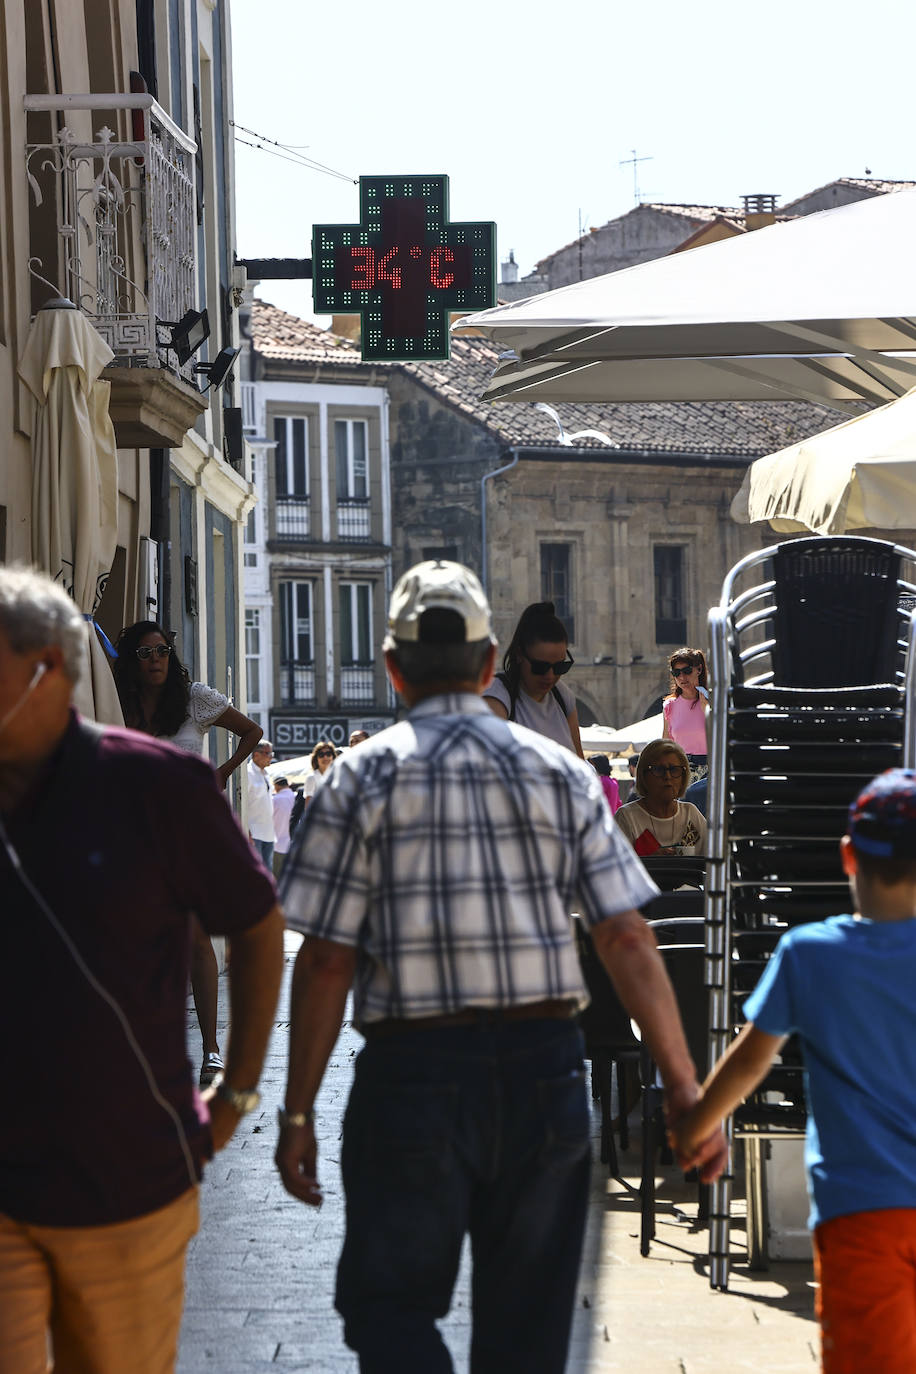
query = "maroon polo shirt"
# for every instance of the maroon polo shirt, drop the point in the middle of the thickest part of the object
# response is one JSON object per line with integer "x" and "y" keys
{"x": 125, "y": 838}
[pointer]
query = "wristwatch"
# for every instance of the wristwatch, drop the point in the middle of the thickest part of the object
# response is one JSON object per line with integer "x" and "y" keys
{"x": 285, "y": 1118}
{"x": 240, "y": 1101}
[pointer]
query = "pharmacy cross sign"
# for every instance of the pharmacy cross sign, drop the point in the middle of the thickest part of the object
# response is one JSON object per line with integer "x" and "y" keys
{"x": 404, "y": 268}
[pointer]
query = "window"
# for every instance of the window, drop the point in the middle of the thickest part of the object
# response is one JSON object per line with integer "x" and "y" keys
{"x": 291, "y": 476}
{"x": 250, "y": 559}
{"x": 447, "y": 553}
{"x": 253, "y": 654}
{"x": 297, "y": 668}
{"x": 670, "y": 616}
{"x": 351, "y": 449}
{"x": 357, "y": 670}
{"x": 556, "y": 583}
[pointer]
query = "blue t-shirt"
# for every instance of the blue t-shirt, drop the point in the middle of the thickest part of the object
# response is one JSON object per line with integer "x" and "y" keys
{"x": 847, "y": 988}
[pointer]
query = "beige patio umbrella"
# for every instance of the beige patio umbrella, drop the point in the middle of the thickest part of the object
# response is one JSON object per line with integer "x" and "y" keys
{"x": 858, "y": 475}
{"x": 74, "y": 478}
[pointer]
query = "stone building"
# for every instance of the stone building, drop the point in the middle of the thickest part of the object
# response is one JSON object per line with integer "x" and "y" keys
{"x": 629, "y": 535}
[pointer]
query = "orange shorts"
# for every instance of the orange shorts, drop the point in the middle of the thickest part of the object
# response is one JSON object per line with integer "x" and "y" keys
{"x": 865, "y": 1264}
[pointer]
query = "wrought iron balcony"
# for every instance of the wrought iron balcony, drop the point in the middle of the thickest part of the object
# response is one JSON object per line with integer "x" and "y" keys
{"x": 124, "y": 207}
{"x": 357, "y": 684}
{"x": 297, "y": 684}
{"x": 353, "y": 518}
{"x": 293, "y": 518}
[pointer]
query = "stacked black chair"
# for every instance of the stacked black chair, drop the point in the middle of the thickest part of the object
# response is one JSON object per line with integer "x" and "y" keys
{"x": 814, "y": 669}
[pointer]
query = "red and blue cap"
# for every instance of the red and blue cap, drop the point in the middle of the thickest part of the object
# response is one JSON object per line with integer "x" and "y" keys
{"x": 882, "y": 819}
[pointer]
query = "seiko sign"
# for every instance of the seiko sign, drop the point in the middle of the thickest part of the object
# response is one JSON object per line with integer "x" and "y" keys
{"x": 299, "y": 734}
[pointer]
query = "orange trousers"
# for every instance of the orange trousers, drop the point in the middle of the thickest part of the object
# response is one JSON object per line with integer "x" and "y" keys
{"x": 94, "y": 1299}
{"x": 865, "y": 1264}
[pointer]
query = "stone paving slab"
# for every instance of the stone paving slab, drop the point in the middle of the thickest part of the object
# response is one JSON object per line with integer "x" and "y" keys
{"x": 260, "y": 1280}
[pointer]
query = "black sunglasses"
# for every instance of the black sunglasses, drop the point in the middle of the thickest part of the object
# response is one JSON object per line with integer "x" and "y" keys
{"x": 154, "y": 650}
{"x": 325, "y": 754}
{"x": 685, "y": 670}
{"x": 540, "y": 666}
{"x": 666, "y": 770}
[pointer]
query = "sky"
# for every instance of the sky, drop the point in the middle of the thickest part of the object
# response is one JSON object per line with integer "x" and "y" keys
{"x": 533, "y": 109}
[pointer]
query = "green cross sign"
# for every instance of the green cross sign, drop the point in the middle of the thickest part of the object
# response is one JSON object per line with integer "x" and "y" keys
{"x": 404, "y": 268}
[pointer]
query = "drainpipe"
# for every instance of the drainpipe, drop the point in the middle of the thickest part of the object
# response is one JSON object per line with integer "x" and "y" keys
{"x": 484, "y": 559}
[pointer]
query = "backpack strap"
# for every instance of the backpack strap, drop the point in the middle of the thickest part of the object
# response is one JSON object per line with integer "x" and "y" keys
{"x": 513, "y": 696}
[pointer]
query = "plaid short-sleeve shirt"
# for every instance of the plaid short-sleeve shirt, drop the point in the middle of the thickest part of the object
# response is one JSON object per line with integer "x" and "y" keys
{"x": 450, "y": 850}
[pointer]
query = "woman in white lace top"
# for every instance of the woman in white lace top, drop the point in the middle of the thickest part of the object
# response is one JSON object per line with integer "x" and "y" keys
{"x": 159, "y": 698}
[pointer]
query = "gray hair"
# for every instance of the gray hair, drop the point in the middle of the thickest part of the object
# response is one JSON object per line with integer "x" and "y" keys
{"x": 35, "y": 612}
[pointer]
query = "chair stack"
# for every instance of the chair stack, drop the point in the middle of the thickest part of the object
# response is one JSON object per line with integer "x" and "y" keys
{"x": 813, "y": 667}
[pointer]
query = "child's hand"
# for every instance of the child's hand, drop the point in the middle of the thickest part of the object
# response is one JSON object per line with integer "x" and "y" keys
{"x": 708, "y": 1156}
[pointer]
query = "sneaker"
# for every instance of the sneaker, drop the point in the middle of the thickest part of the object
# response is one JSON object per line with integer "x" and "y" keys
{"x": 211, "y": 1069}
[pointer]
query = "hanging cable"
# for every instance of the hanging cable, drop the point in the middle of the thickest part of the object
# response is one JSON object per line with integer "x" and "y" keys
{"x": 287, "y": 153}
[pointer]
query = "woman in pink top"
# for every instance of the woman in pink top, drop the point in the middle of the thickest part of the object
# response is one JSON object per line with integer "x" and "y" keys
{"x": 684, "y": 709}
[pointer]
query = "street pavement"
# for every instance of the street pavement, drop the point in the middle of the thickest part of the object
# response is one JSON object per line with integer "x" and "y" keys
{"x": 260, "y": 1280}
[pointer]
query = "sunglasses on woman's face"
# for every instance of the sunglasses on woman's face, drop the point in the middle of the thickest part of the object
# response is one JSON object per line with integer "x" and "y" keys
{"x": 540, "y": 666}
{"x": 666, "y": 770}
{"x": 684, "y": 671}
{"x": 325, "y": 754}
{"x": 154, "y": 650}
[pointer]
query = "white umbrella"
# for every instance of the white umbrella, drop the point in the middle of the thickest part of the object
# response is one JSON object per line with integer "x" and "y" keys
{"x": 805, "y": 310}
{"x": 628, "y": 736}
{"x": 859, "y": 475}
{"x": 74, "y": 478}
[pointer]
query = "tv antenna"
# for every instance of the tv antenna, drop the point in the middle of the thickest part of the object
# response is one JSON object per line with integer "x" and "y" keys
{"x": 634, "y": 159}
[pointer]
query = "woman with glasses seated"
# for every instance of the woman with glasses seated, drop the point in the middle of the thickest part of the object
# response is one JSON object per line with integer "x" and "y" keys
{"x": 660, "y": 822}
{"x": 528, "y": 690}
{"x": 684, "y": 709}
{"x": 159, "y": 698}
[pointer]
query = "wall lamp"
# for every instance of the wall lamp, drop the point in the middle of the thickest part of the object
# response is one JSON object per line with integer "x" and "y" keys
{"x": 217, "y": 371}
{"x": 187, "y": 334}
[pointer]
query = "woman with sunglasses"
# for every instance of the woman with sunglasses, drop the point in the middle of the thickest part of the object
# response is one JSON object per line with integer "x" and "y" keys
{"x": 323, "y": 755}
{"x": 159, "y": 698}
{"x": 528, "y": 690}
{"x": 660, "y": 822}
{"x": 684, "y": 709}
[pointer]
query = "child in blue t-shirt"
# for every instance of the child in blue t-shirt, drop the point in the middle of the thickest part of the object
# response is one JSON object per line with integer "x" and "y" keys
{"x": 847, "y": 987}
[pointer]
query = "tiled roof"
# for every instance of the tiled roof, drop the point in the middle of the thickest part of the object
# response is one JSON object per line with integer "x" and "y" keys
{"x": 285, "y": 338}
{"x": 873, "y": 185}
{"x": 700, "y": 213}
{"x": 716, "y": 428}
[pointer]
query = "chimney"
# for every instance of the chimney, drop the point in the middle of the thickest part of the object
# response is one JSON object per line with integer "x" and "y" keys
{"x": 759, "y": 210}
{"x": 509, "y": 270}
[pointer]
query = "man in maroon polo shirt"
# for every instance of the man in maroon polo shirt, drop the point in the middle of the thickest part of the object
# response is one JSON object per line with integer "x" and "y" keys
{"x": 108, "y": 840}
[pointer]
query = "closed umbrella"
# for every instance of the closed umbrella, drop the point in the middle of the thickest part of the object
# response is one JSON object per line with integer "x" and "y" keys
{"x": 74, "y": 478}
{"x": 858, "y": 475}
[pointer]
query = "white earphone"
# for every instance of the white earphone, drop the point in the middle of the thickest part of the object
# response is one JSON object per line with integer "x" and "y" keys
{"x": 40, "y": 670}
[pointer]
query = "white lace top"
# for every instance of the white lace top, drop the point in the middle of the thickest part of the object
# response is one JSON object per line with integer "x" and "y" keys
{"x": 205, "y": 705}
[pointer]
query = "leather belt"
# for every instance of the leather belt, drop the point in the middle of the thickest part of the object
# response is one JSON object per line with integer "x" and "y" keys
{"x": 553, "y": 1009}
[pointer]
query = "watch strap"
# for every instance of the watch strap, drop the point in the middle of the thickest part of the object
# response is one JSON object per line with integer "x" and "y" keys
{"x": 285, "y": 1118}
{"x": 241, "y": 1101}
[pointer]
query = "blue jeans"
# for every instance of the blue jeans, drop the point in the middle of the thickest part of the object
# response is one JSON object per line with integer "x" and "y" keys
{"x": 479, "y": 1130}
{"x": 265, "y": 851}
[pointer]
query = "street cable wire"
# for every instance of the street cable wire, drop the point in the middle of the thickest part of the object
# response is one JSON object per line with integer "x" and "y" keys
{"x": 289, "y": 152}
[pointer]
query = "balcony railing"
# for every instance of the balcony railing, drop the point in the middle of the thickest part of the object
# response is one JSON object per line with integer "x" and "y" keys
{"x": 357, "y": 684}
{"x": 126, "y": 211}
{"x": 297, "y": 684}
{"x": 353, "y": 520}
{"x": 293, "y": 517}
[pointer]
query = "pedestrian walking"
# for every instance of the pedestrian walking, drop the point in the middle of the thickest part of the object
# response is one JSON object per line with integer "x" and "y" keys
{"x": 684, "y": 709}
{"x": 108, "y": 840}
{"x": 283, "y": 801}
{"x": 260, "y": 805}
{"x": 845, "y": 987}
{"x": 436, "y": 870}
{"x": 528, "y": 689}
{"x": 158, "y": 698}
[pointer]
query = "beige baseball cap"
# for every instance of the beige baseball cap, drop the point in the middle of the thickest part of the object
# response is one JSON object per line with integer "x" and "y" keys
{"x": 437, "y": 586}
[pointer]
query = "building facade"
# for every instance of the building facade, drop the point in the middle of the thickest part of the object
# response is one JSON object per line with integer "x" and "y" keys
{"x": 318, "y": 547}
{"x": 121, "y": 200}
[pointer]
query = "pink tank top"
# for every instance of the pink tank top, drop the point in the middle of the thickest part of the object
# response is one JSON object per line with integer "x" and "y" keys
{"x": 686, "y": 723}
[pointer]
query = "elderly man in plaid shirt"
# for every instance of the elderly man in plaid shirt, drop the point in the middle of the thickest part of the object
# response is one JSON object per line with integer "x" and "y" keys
{"x": 436, "y": 872}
